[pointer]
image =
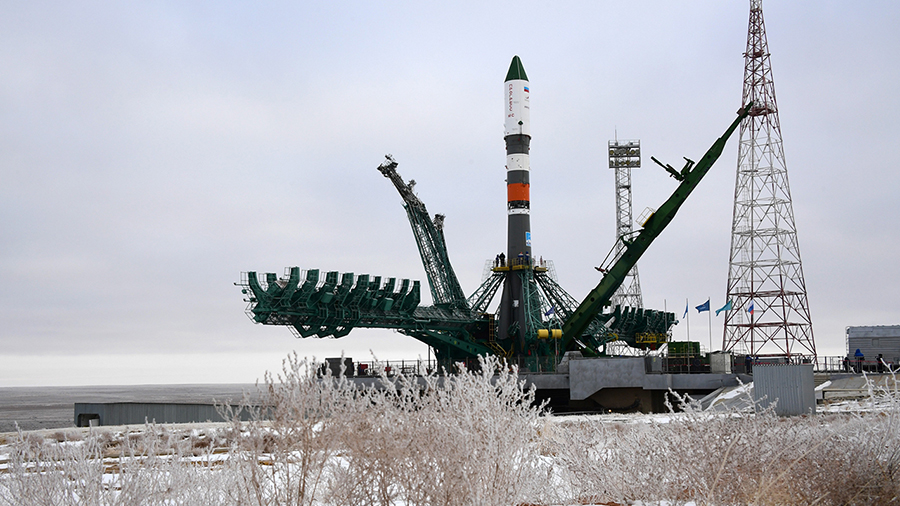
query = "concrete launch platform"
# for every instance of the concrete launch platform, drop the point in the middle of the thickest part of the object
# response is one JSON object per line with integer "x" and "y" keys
{"x": 622, "y": 384}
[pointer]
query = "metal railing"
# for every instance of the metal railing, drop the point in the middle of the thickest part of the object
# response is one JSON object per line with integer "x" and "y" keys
{"x": 392, "y": 368}
{"x": 684, "y": 363}
{"x": 854, "y": 365}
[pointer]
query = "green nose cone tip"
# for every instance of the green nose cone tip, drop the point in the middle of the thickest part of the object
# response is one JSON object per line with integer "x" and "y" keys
{"x": 516, "y": 70}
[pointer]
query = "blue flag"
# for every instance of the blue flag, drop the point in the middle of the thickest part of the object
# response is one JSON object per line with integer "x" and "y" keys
{"x": 685, "y": 310}
{"x": 726, "y": 307}
{"x": 703, "y": 307}
{"x": 550, "y": 311}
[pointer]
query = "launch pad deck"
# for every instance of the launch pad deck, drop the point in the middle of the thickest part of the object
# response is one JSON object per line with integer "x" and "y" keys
{"x": 618, "y": 384}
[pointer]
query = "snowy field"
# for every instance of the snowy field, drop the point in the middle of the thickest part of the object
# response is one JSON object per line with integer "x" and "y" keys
{"x": 474, "y": 440}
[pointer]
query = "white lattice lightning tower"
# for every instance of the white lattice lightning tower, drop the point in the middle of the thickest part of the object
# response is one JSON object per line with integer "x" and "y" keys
{"x": 770, "y": 313}
{"x": 624, "y": 156}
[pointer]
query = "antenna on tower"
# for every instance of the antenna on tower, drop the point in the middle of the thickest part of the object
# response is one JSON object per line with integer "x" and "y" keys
{"x": 766, "y": 289}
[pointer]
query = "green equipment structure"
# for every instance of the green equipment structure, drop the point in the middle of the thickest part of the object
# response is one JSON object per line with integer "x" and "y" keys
{"x": 459, "y": 328}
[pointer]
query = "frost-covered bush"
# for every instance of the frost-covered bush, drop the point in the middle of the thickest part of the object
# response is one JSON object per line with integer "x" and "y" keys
{"x": 100, "y": 468}
{"x": 298, "y": 422}
{"x": 735, "y": 458}
{"x": 472, "y": 438}
{"x": 469, "y": 438}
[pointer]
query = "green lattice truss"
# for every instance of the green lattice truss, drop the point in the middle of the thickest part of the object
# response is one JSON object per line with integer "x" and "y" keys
{"x": 456, "y": 327}
{"x": 313, "y": 305}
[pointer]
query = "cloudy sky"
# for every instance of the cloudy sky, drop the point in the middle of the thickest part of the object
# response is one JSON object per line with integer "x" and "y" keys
{"x": 152, "y": 152}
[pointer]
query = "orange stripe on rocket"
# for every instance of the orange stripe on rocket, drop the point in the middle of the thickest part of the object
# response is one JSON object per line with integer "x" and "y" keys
{"x": 516, "y": 192}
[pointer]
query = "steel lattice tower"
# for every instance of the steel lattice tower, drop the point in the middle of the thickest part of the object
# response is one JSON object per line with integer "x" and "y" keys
{"x": 624, "y": 156}
{"x": 765, "y": 273}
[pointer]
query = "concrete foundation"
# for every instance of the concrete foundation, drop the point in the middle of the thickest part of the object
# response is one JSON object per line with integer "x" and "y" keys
{"x": 622, "y": 384}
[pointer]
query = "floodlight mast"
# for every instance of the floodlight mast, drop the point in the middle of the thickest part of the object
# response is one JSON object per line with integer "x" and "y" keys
{"x": 625, "y": 155}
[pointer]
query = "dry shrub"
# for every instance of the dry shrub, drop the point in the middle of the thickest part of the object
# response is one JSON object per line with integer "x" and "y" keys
{"x": 145, "y": 470}
{"x": 281, "y": 456}
{"x": 471, "y": 438}
{"x": 200, "y": 443}
{"x": 68, "y": 435}
{"x": 463, "y": 439}
{"x": 736, "y": 458}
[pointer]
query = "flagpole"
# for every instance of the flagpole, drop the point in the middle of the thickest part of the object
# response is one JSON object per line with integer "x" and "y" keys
{"x": 686, "y": 310}
{"x": 709, "y": 314}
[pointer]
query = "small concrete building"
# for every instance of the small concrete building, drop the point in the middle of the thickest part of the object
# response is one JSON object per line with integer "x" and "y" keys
{"x": 874, "y": 340}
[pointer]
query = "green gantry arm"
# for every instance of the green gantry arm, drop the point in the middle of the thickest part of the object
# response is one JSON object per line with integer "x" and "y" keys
{"x": 600, "y": 296}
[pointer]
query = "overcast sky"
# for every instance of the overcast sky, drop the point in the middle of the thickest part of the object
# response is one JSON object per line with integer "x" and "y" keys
{"x": 151, "y": 152}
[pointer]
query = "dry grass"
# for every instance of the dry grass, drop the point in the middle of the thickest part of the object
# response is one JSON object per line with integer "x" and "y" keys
{"x": 736, "y": 459}
{"x": 473, "y": 439}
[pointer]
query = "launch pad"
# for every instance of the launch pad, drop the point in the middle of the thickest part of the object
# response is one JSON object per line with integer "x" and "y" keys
{"x": 536, "y": 321}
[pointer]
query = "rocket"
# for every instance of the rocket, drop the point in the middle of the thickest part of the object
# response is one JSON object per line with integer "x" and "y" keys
{"x": 517, "y": 134}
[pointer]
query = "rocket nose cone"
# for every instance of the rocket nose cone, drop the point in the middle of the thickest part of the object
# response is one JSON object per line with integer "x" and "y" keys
{"x": 516, "y": 70}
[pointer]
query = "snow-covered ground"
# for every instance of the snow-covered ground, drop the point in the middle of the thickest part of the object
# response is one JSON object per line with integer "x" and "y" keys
{"x": 474, "y": 440}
